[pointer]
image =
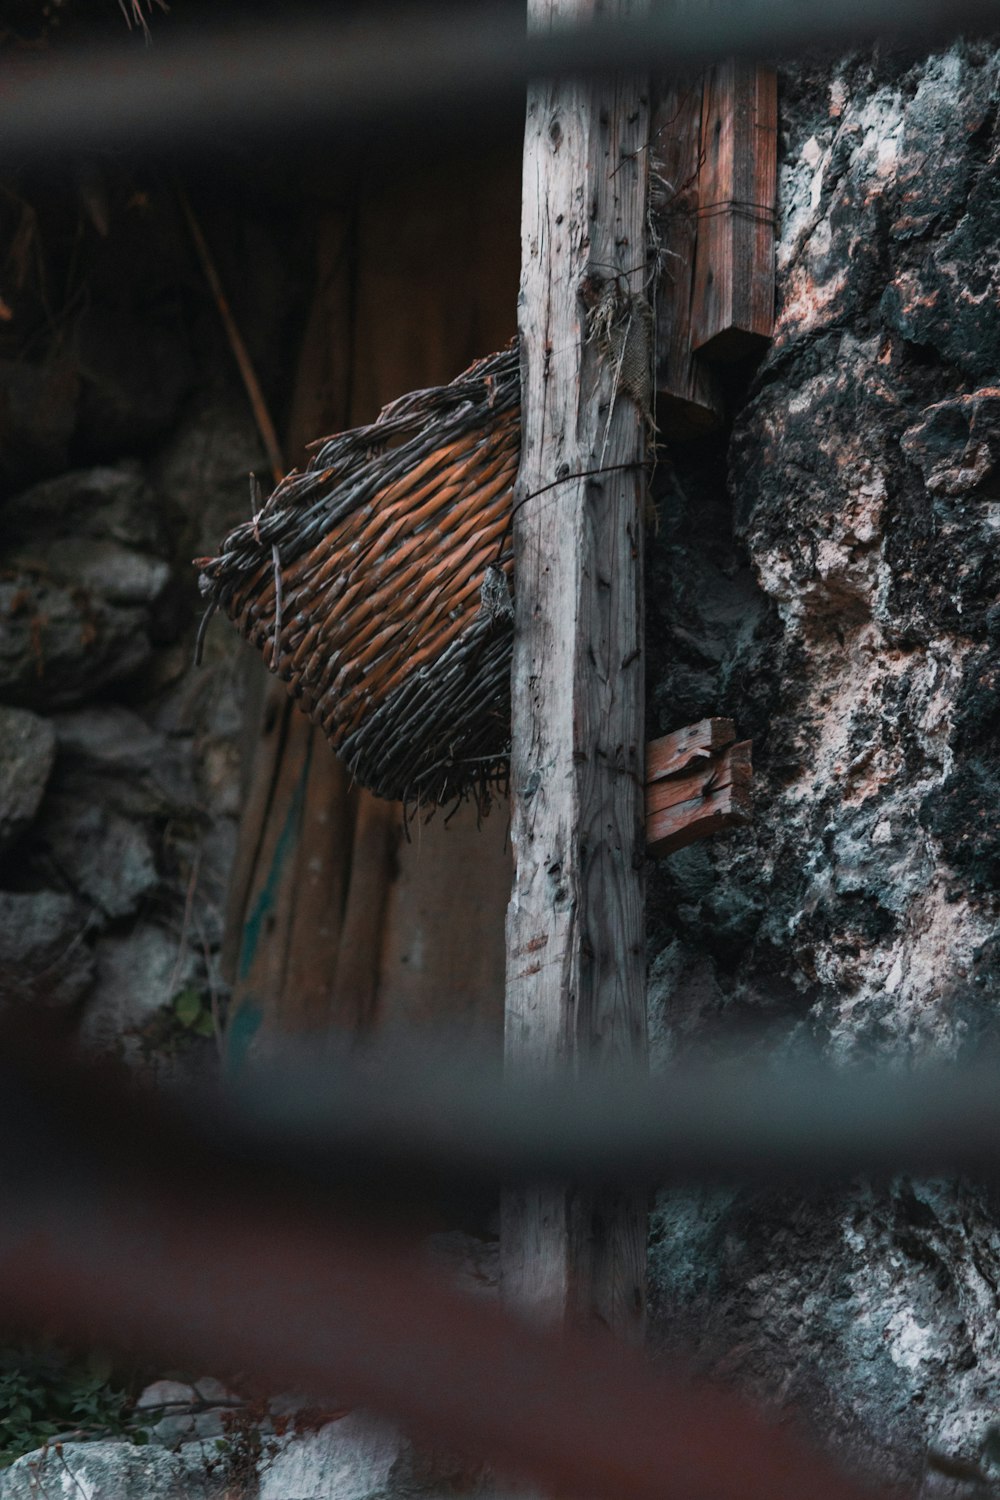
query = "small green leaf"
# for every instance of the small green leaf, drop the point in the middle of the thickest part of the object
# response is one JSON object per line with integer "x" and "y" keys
{"x": 187, "y": 1006}
{"x": 204, "y": 1026}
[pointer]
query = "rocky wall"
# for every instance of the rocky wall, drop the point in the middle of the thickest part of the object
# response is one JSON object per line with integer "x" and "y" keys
{"x": 125, "y": 448}
{"x": 831, "y": 584}
{"x": 119, "y": 764}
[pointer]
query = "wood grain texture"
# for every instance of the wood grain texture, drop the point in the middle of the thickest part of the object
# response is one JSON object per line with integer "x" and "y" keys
{"x": 293, "y": 863}
{"x": 438, "y": 260}
{"x": 733, "y": 298}
{"x": 689, "y": 402}
{"x": 699, "y": 801}
{"x": 692, "y": 745}
{"x": 575, "y": 925}
{"x": 730, "y": 767}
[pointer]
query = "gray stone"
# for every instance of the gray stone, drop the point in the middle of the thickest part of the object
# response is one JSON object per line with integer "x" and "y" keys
{"x": 166, "y": 1393}
{"x": 84, "y": 565}
{"x": 107, "y": 858}
{"x": 173, "y": 1429}
{"x": 107, "y": 738}
{"x": 858, "y": 912}
{"x": 353, "y": 1458}
{"x": 43, "y": 953}
{"x": 210, "y": 1389}
{"x": 27, "y": 753}
{"x": 137, "y": 974}
{"x": 118, "y": 574}
{"x": 177, "y": 1411}
{"x": 113, "y": 503}
{"x": 957, "y": 445}
{"x": 60, "y": 645}
{"x": 110, "y": 755}
{"x": 205, "y": 469}
{"x": 112, "y": 1471}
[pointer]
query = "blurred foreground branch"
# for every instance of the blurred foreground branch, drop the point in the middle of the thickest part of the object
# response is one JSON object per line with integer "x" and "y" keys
{"x": 124, "y": 1226}
{"x": 299, "y": 74}
{"x": 415, "y": 1116}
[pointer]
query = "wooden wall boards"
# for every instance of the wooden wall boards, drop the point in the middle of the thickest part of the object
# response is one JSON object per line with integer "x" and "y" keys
{"x": 335, "y": 924}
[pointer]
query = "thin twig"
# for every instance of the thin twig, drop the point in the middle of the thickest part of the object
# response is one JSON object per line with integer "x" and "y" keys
{"x": 192, "y": 886}
{"x": 276, "y": 561}
{"x": 261, "y": 415}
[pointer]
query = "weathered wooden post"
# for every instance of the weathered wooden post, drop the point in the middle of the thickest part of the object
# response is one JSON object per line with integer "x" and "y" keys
{"x": 575, "y": 927}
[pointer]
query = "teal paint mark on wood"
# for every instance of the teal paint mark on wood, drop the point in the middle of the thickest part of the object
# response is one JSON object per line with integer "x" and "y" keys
{"x": 267, "y": 897}
{"x": 243, "y": 1027}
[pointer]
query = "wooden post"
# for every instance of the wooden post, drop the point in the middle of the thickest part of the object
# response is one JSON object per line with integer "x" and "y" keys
{"x": 689, "y": 400}
{"x": 733, "y": 301}
{"x": 575, "y": 925}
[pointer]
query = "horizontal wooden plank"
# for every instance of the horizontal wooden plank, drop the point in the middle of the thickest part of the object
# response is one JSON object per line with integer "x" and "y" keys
{"x": 697, "y": 784}
{"x": 729, "y": 767}
{"x": 676, "y": 827}
{"x": 691, "y": 746}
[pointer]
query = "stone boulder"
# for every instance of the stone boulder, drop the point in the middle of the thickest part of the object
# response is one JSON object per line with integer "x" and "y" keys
{"x": 43, "y": 952}
{"x": 62, "y": 644}
{"x": 86, "y": 572}
{"x": 353, "y": 1458}
{"x": 111, "y": 1471}
{"x": 138, "y": 973}
{"x": 109, "y": 503}
{"x": 107, "y": 858}
{"x": 27, "y": 754}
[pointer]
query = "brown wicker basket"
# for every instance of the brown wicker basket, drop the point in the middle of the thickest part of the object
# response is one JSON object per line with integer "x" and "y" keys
{"x": 376, "y": 584}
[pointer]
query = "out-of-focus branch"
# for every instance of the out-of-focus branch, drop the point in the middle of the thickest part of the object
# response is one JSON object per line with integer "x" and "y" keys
{"x": 401, "y": 1122}
{"x": 259, "y": 407}
{"x": 122, "y": 1228}
{"x": 297, "y": 75}
{"x": 420, "y": 1116}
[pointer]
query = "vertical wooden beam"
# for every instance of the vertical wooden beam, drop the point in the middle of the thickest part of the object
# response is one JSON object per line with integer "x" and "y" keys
{"x": 689, "y": 402}
{"x": 575, "y": 925}
{"x": 733, "y": 310}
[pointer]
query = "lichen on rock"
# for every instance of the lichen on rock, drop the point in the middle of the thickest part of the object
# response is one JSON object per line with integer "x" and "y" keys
{"x": 859, "y": 914}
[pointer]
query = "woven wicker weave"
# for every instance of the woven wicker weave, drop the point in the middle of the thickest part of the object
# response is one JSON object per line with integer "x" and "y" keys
{"x": 376, "y": 584}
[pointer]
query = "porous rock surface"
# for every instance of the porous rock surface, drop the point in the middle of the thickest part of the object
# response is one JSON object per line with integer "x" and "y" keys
{"x": 832, "y": 585}
{"x": 110, "y": 1471}
{"x": 119, "y": 761}
{"x": 27, "y": 751}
